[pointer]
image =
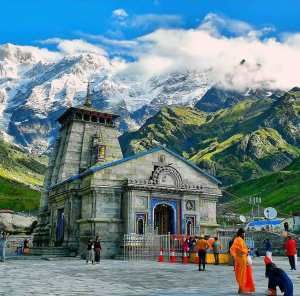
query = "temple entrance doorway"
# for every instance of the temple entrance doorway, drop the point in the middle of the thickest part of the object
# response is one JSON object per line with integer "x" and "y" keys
{"x": 164, "y": 219}
{"x": 60, "y": 227}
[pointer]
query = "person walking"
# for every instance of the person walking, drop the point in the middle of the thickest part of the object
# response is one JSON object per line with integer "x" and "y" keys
{"x": 242, "y": 268}
{"x": 3, "y": 240}
{"x": 185, "y": 246}
{"x": 216, "y": 249}
{"x": 192, "y": 243}
{"x": 202, "y": 246}
{"x": 97, "y": 245}
{"x": 268, "y": 247}
{"x": 90, "y": 252}
{"x": 286, "y": 226}
{"x": 277, "y": 277}
{"x": 290, "y": 247}
{"x": 26, "y": 247}
{"x": 231, "y": 258}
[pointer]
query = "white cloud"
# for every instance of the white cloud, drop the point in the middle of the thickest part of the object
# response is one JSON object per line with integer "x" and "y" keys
{"x": 109, "y": 41}
{"x": 269, "y": 62}
{"x": 219, "y": 25}
{"x": 215, "y": 24}
{"x": 148, "y": 21}
{"x": 292, "y": 39}
{"x": 155, "y": 20}
{"x": 120, "y": 13}
{"x": 74, "y": 46}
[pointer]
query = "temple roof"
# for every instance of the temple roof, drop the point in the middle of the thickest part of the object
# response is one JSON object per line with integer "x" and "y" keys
{"x": 96, "y": 168}
{"x": 85, "y": 109}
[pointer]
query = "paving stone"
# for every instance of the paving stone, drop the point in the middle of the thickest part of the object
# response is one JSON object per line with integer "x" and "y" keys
{"x": 111, "y": 277}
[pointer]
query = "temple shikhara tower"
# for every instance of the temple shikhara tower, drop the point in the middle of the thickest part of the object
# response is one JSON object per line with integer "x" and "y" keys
{"x": 90, "y": 189}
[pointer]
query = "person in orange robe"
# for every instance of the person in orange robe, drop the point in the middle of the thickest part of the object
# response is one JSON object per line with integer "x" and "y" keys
{"x": 243, "y": 270}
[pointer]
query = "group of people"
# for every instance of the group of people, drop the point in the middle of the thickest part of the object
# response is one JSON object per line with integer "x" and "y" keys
{"x": 23, "y": 247}
{"x": 93, "y": 250}
{"x": 276, "y": 276}
{"x": 201, "y": 246}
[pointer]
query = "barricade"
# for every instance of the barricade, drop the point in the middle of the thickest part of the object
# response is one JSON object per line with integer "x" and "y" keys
{"x": 223, "y": 258}
{"x": 168, "y": 248}
{"x": 161, "y": 256}
{"x": 173, "y": 256}
{"x": 185, "y": 259}
{"x": 195, "y": 258}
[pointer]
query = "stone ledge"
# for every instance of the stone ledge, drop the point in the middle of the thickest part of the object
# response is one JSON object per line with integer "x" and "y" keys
{"x": 106, "y": 220}
{"x": 209, "y": 224}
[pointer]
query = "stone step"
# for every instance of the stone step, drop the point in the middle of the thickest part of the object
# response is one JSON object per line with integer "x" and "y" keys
{"x": 119, "y": 257}
{"x": 51, "y": 251}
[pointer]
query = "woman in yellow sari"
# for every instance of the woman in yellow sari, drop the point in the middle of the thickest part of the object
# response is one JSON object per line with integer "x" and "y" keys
{"x": 243, "y": 270}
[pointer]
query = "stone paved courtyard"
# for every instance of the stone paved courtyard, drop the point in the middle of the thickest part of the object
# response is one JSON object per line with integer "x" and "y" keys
{"x": 74, "y": 277}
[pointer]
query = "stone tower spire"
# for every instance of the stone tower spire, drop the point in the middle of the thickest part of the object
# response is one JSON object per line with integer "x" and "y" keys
{"x": 88, "y": 99}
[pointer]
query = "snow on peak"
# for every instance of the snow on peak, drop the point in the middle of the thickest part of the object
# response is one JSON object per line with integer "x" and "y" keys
{"x": 26, "y": 54}
{"x": 36, "y": 85}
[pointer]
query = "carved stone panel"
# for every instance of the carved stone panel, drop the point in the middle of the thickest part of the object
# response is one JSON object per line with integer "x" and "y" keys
{"x": 208, "y": 211}
{"x": 190, "y": 205}
{"x": 167, "y": 176}
{"x": 141, "y": 202}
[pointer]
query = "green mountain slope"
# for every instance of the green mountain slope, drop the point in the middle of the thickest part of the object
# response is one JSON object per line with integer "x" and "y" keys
{"x": 217, "y": 98}
{"x": 280, "y": 190}
{"x": 246, "y": 141}
{"x": 21, "y": 177}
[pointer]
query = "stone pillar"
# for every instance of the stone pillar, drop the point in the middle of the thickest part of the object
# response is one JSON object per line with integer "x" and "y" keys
{"x": 130, "y": 214}
{"x": 71, "y": 226}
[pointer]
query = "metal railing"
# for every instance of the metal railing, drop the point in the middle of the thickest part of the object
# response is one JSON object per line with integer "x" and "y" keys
{"x": 148, "y": 246}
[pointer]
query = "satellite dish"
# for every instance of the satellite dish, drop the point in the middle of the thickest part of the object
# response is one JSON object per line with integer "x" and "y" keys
{"x": 243, "y": 218}
{"x": 270, "y": 213}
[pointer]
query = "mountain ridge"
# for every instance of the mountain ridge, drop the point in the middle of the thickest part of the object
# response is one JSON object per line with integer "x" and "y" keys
{"x": 37, "y": 85}
{"x": 238, "y": 143}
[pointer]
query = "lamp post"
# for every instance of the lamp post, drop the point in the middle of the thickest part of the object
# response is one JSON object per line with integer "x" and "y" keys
{"x": 255, "y": 201}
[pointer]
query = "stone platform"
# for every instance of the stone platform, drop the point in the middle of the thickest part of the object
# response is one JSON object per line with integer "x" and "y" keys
{"x": 111, "y": 277}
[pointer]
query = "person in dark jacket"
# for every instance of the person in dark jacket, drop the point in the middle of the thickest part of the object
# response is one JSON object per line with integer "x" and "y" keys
{"x": 192, "y": 243}
{"x": 268, "y": 247}
{"x": 277, "y": 278}
{"x": 231, "y": 259}
{"x": 286, "y": 226}
{"x": 90, "y": 252}
{"x": 97, "y": 246}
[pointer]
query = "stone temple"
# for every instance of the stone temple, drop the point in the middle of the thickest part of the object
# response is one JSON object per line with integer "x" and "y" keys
{"x": 90, "y": 189}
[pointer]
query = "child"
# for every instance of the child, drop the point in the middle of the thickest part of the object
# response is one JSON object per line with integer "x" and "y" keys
{"x": 277, "y": 277}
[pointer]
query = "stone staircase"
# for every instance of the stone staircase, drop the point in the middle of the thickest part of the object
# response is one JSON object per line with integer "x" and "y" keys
{"x": 119, "y": 257}
{"x": 52, "y": 252}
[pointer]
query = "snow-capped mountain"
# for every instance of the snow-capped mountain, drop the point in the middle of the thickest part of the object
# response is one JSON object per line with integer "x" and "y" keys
{"x": 37, "y": 85}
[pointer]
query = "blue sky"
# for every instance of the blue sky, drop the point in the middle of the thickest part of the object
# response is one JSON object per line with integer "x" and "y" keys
{"x": 152, "y": 37}
{"x": 25, "y": 22}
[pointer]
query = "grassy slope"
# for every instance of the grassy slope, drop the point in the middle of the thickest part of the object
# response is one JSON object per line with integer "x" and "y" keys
{"x": 192, "y": 130}
{"x": 214, "y": 140}
{"x": 280, "y": 190}
{"x": 17, "y": 196}
{"x": 21, "y": 177}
